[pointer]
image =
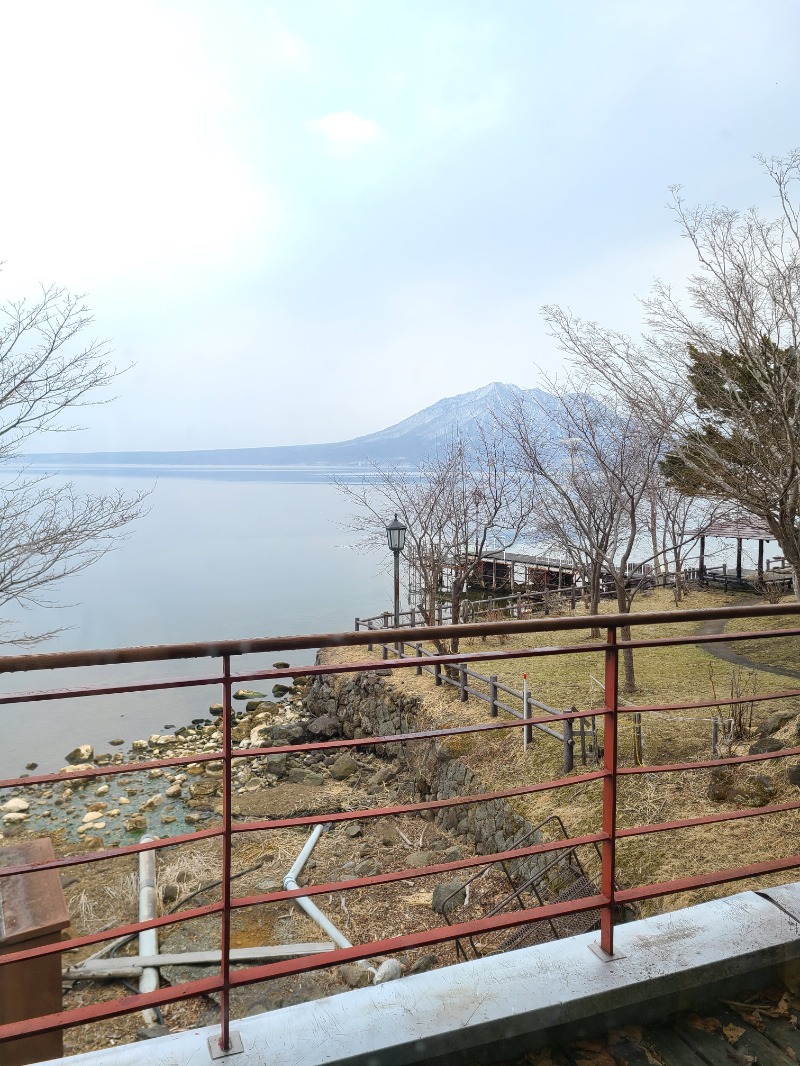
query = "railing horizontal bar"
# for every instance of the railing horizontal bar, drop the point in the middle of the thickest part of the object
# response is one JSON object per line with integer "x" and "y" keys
{"x": 110, "y": 853}
{"x": 106, "y": 690}
{"x": 708, "y": 819}
{"x": 424, "y": 938}
{"x": 705, "y": 764}
{"x": 571, "y": 843}
{"x": 61, "y": 946}
{"x": 210, "y": 649}
{"x": 759, "y": 697}
{"x": 425, "y": 805}
{"x": 718, "y": 877}
{"x": 509, "y": 690}
{"x": 510, "y": 710}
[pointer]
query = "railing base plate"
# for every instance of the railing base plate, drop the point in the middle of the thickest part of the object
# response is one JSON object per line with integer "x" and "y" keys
{"x": 603, "y": 956}
{"x": 216, "y": 1052}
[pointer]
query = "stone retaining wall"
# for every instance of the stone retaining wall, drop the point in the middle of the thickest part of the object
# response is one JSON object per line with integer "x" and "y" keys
{"x": 364, "y": 705}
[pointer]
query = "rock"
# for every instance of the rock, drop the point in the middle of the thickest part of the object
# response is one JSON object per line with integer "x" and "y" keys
{"x": 15, "y": 806}
{"x": 760, "y": 791}
{"x": 137, "y": 823}
{"x": 452, "y": 854}
{"x": 247, "y": 694}
{"x": 31, "y": 765}
{"x": 280, "y": 690}
{"x": 76, "y": 769}
{"x": 102, "y": 790}
{"x": 116, "y": 742}
{"x": 388, "y": 835}
{"x": 93, "y": 816}
{"x": 325, "y": 726}
{"x": 154, "y": 801}
{"x": 254, "y": 706}
{"x": 216, "y": 709}
{"x": 352, "y": 829}
{"x": 104, "y": 759}
{"x": 793, "y": 774}
{"x": 388, "y": 971}
{"x": 173, "y": 791}
{"x": 169, "y": 892}
{"x": 422, "y": 964}
{"x": 355, "y": 976}
{"x": 764, "y": 745}
{"x": 202, "y": 788}
{"x": 366, "y": 868}
{"x": 344, "y": 767}
{"x": 312, "y": 778}
{"x": 269, "y": 886}
{"x": 84, "y": 753}
{"x": 287, "y": 733}
{"x": 149, "y": 1032}
{"x": 721, "y": 787}
{"x": 773, "y": 724}
{"x": 420, "y": 858}
{"x": 14, "y": 819}
{"x": 280, "y": 666}
{"x": 450, "y": 896}
{"x": 139, "y": 745}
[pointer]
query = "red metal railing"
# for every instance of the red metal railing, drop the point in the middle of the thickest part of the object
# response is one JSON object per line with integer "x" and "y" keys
{"x": 606, "y": 899}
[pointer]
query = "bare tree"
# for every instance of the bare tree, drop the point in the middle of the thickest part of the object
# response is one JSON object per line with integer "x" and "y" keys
{"x": 738, "y": 347}
{"x": 457, "y": 506}
{"x": 593, "y": 460}
{"x": 48, "y": 531}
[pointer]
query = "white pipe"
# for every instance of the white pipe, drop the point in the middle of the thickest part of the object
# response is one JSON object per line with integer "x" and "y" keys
{"x": 148, "y": 938}
{"x": 313, "y": 912}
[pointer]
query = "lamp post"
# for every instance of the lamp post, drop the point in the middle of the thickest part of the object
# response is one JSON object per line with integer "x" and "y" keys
{"x": 396, "y": 535}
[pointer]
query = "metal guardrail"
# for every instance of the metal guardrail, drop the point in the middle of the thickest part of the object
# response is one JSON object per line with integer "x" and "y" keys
{"x": 608, "y": 776}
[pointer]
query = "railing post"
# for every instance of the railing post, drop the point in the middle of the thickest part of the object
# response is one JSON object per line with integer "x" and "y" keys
{"x": 384, "y": 652}
{"x": 610, "y": 712}
{"x": 385, "y": 619}
{"x": 462, "y": 682}
{"x": 227, "y": 748}
{"x": 413, "y": 616}
{"x": 357, "y": 621}
{"x": 715, "y": 736}
{"x": 439, "y": 613}
{"x": 569, "y": 746}
{"x": 582, "y": 730}
{"x": 493, "y": 696}
{"x": 419, "y": 656}
{"x": 519, "y": 605}
{"x": 437, "y": 673}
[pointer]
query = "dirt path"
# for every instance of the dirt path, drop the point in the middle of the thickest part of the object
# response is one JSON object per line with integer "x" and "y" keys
{"x": 727, "y": 653}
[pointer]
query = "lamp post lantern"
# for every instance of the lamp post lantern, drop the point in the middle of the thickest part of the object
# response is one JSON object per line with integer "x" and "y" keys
{"x": 396, "y": 535}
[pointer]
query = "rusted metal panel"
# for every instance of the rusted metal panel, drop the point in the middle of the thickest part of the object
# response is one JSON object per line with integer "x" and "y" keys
{"x": 32, "y": 914}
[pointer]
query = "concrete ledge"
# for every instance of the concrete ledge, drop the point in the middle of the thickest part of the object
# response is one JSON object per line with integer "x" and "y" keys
{"x": 505, "y": 1004}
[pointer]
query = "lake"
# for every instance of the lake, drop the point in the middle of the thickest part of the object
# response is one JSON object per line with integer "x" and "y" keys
{"x": 221, "y": 554}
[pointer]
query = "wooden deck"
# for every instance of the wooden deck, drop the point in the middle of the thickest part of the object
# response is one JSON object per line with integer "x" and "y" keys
{"x": 759, "y": 1031}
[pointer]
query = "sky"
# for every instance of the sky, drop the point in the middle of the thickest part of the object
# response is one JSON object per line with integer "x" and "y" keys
{"x": 303, "y": 221}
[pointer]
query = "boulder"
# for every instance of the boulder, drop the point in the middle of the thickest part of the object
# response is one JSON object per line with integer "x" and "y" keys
{"x": 773, "y": 724}
{"x": 793, "y": 774}
{"x": 137, "y": 823}
{"x": 344, "y": 767}
{"x": 280, "y": 690}
{"x": 84, "y": 753}
{"x": 14, "y": 819}
{"x": 154, "y": 801}
{"x": 722, "y": 785}
{"x": 389, "y": 970}
{"x": 450, "y": 896}
{"x": 423, "y": 963}
{"x": 354, "y": 976}
{"x": 15, "y": 806}
{"x": 758, "y": 791}
{"x": 325, "y": 726}
{"x": 764, "y": 745}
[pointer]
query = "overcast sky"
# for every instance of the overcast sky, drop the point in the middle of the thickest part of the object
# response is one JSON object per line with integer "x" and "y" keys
{"x": 305, "y": 220}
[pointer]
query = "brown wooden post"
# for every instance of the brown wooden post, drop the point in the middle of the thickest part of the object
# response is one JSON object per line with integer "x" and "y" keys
{"x": 493, "y": 696}
{"x": 702, "y": 573}
{"x": 610, "y": 712}
{"x": 761, "y": 560}
{"x": 569, "y": 746}
{"x": 419, "y": 656}
{"x": 739, "y": 558}
{"x": 33, "y": 914}
{"x": 437, "y": 673}
{"x": 462, "y": 682}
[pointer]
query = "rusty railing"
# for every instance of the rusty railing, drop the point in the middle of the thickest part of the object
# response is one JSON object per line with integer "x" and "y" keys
{"x": 608, "y": 775}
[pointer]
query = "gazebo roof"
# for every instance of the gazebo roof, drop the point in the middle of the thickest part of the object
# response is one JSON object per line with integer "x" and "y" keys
{"x": 742, "y": 527}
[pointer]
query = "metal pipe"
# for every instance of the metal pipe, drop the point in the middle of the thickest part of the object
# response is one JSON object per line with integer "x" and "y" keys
{"x": 148, "y": 938}
{"x": 313, "y": 912}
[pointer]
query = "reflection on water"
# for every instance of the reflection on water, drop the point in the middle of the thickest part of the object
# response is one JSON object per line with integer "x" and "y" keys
{"x": 221, "y": 555}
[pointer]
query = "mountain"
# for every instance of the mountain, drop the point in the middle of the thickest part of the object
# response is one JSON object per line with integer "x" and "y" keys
{"x": 408, "y": 441}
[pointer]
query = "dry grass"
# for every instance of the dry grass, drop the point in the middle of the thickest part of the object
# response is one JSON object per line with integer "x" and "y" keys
{"x": 671, "y": 676}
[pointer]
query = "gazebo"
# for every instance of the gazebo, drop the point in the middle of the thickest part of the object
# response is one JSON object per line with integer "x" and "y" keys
{"x": 740, "y": 528}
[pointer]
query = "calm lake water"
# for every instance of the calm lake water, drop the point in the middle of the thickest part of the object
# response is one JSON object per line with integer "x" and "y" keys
{"x": 221, "y": 554}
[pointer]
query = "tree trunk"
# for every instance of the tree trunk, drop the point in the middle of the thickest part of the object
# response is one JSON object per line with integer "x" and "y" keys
{"x": 594, "y": 599}
{"x": 623, "y": 605}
